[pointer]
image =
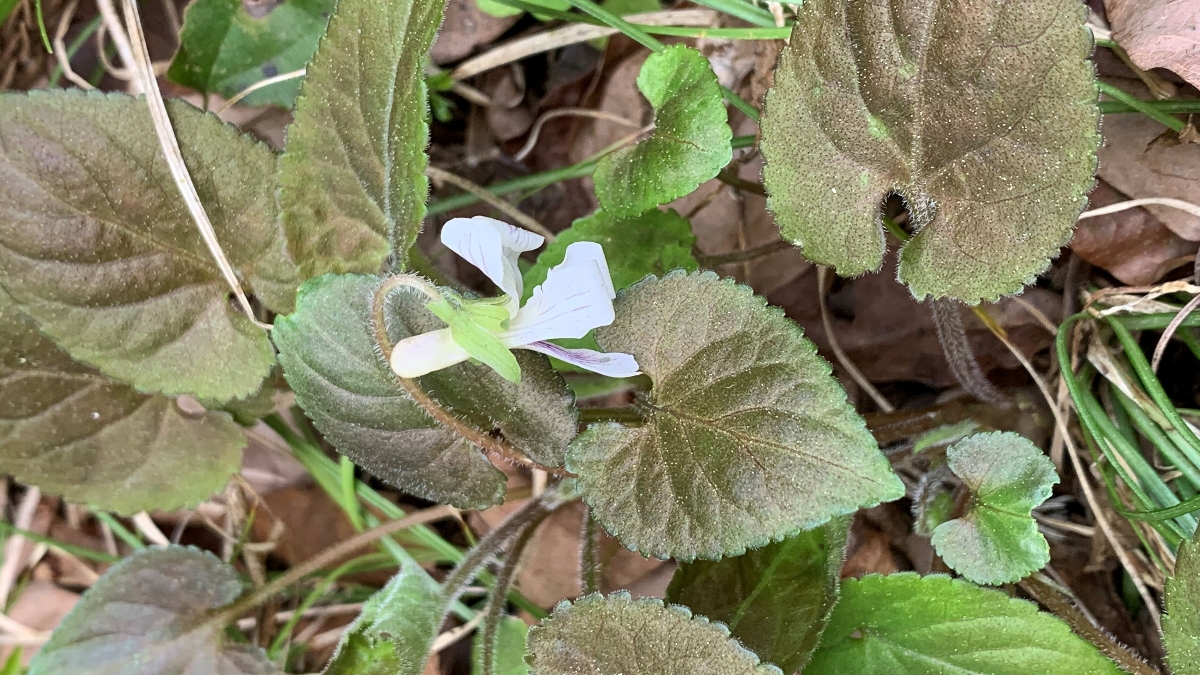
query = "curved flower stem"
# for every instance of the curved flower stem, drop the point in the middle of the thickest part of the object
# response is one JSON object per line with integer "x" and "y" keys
{"x": 431, "y": 407}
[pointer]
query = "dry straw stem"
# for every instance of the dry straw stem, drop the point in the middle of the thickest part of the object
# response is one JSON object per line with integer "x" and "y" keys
{"x": 536, "y": 131}
{"x": 60, "y": 47}
{"x": 573, "y": 34}
{"x": 170, "y": 147}
{"x": 284, "y": 77}
{"x": 1080, "y": 471}
{"x": 522, "y": 219}
{"x": 856, "y": 374}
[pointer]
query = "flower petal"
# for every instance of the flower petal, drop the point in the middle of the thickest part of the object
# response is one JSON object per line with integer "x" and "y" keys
{"x": 422, "y": 354}
{"x": 492, "y": 246}
{"x": 611, "y": 364}
{"x": 572, "y": 301}
{"x": 584, "y": 252}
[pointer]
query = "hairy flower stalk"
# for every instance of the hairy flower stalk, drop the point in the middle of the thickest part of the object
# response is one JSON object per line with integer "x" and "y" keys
{"x": 575, "y": 298}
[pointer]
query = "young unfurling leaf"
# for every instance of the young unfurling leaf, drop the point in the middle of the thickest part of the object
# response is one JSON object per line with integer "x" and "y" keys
{"x": 997, "y": 540}
{"x": 689, "y": 144}
{"x": 981, "y": 113}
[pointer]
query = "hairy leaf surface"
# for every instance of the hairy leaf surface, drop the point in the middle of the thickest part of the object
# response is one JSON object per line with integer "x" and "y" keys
{"x": 98, "y": 247}
{"x": 149, "y": 615}
{"x": 904, "y": 623}
{"x": 395, "y": 629}
{"x": 981, "y": 113}
{"x": 72, "y": 431}
{"x": 775, "y": 599}
{"x": 331, "y": 360}
{"x": 689, "y": 144}
{"x": 617, "y": 634}
{"x": 510, "y": 648}
{"x": 748, "y": 438}
{"x": 1181, "y": 619}
{"x": 997, "y": 540}
{"x": 353, "y": 175}
{"x": 227, "y": 45}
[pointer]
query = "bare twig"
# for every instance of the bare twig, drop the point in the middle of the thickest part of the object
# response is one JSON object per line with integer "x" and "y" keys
{"x": 1149, "y": 201}
{"x": 522, "y": 218}
{"x": 326, "y": 558}
{"x": 261, "y": 84}
{"x": 536, "y": 131}
{"x": 14, "y": 561}
{"x": 574, "y": 34}
{"x": 60, "y": 47}
{"x": 146, "y": 526}
{"x": 174, "y": 157}
{"x": 855, "y": 374}
{"x": 1084, "y": 482}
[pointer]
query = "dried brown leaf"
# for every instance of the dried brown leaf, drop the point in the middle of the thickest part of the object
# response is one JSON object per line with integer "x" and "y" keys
{"x": 1133, "y": 245}
{"x": 1159, "y": 34}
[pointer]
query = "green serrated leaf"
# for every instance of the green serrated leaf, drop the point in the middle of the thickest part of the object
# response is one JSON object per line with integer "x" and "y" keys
{"x": 775, "y": 599}
{"x": 981, "y": 113}
{"x": 904, "y": 623}
{"x": 149, "y": 615}
{"x": 748, "y": 438}
{"x": 228, "y": 45}
{"x": 654, "y": 242}
{"x": 340, "y": 378}
{"x": 617, "y": 634}
{"x": 98, "y": 247}
{"x": 1181, "y": 619}
{"x": 395, "y": 629}
{"x": 70, "y": 430}
{"x": 510, "y": 649}
{"x": 352, "y": 178}
{"x": 690, "y": 142}
{"x": 997, "y": 540}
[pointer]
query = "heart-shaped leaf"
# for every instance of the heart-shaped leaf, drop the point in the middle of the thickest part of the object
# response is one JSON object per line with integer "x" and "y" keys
{"x": 904, "y": 623}
{"x": 98, "y": 247}
{"x": 70, "y": 430}
{"x": 150, "y": 615}
{"x": 617, "y": 634}
{"x": 353, "y": 184}
{"x": 1181, "y": 620}
{"x": 997, "y": 540}
{"x": 982, "y": 114}
{"x": 227, "y": 45}
{"x": 747, "y": 439}
{"x": 775, "y": 599}
{"x": 340, "y": 378}
{"x": 395, "y": 629}
{"x": 690, "y": 142}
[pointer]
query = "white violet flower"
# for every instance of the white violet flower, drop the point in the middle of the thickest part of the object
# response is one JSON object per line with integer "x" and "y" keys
{"x": 575, "y": 298}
